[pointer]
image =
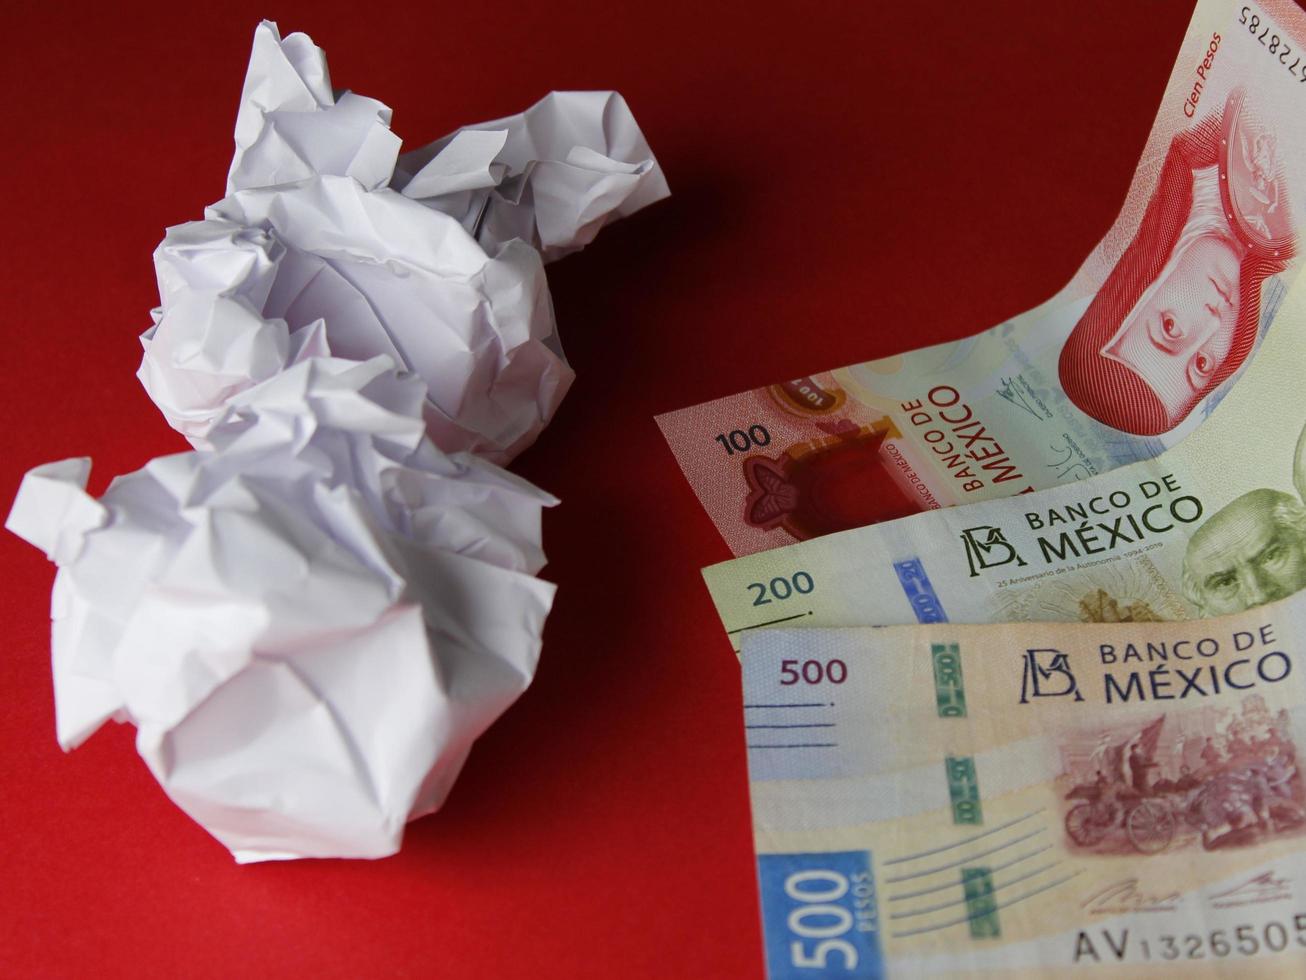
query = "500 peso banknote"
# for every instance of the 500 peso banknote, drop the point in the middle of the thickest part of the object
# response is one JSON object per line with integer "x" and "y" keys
{"x": 1126, "y": 799}
{"x": 1123, "y": 363}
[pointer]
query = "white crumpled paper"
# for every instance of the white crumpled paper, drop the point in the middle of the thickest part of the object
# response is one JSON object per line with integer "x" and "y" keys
{"x": 329, "y": 239}
{"x": 308, "y": 625}
{"x": 312, "y": 617}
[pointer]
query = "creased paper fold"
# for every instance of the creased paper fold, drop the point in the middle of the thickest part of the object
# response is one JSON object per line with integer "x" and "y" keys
{"x": 329, "y": 239}
{"x": 308, "y": 626}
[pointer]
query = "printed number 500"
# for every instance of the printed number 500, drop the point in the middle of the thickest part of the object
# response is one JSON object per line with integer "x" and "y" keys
{"x": 812, "y": 672}
{"x": 818, "y": 918}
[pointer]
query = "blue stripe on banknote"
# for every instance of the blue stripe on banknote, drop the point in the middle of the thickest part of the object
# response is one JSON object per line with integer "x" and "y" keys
{"x": 820, "y": 915}
{"x": 920, "y": 592}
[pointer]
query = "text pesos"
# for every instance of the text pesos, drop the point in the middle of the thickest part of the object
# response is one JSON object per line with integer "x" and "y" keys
{"x": 1203, "y": 72}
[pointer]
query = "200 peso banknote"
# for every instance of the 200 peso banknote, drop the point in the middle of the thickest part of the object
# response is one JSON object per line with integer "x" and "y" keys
{"x": 1215, "y": 525}
{"x": 1125, "y": 799}
{"x": 1123, "y": 363}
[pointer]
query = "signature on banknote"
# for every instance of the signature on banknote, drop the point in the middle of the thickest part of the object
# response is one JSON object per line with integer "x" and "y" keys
{"x": 1023, "y": 399}
{"x": 1127, "y": 896}
{"x": 1264, "y": 887}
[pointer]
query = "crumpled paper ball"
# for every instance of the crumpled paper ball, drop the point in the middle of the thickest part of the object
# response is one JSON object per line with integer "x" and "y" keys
{"x": 330, "y": 240}
{"x": 309, "y": 625}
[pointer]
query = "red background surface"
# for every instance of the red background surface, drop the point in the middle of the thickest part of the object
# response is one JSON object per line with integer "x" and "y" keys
{"x": 849, "y": 179}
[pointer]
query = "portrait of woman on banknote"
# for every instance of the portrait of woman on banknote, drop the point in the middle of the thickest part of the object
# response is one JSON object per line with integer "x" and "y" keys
{"x": 1179, "y": 313}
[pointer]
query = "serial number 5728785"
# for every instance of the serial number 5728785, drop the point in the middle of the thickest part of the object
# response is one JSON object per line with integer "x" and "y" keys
{"x": 1261, "y": 28}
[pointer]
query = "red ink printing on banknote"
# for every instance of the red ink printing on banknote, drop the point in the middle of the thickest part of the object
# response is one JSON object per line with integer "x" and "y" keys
{"x": 1179, "y": 313}
{"x": 826, "y": 486}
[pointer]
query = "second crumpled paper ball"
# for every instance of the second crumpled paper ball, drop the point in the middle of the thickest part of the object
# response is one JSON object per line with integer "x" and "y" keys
{"x": 311, "y": 625}
{"x": 328, "y": 239}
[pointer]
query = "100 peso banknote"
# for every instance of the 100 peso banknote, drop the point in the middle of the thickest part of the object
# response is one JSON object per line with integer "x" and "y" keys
{"x": 1215, "y": 525}
{"x": 1123, "y": 363}
{"x": 1126, "y": 799}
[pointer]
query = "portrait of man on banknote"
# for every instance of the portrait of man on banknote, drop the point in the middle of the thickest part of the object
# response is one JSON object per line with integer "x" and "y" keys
{"x": 1250, "y": 552}
{"x": 1180, "y": 311}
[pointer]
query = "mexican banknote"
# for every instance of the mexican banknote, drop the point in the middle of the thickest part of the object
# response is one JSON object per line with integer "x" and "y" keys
{"x": 1214, "y": 525}
{"x": 1123, "y": 799}
{"x": 1124, "y": 362}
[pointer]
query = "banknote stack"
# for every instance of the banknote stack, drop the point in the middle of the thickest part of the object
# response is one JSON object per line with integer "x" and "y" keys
{"x": 1020, "y": 616}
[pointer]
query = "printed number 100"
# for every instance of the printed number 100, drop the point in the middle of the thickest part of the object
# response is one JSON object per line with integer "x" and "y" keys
{"x": 818, "y": 918}
{"x": 739, "y": 441}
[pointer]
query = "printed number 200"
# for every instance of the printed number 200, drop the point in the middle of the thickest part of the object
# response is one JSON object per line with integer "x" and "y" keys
{"x": 781, "y": 588}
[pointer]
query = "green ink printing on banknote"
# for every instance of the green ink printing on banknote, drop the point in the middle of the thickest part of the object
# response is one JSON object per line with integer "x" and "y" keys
{"x": 949, "y": 691}
{"x": 981, "y": 907}
{"x": 963, "y": 789}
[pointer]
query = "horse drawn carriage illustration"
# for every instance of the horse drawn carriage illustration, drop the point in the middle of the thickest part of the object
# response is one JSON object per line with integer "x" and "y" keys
{"x": 1245, "y": 786}
{"x": 1148, "y": 823}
